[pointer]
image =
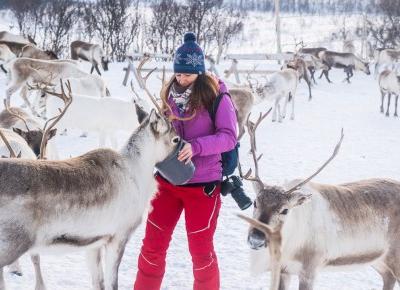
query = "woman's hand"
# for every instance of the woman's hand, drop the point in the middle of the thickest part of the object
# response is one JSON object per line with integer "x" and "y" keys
{"x": 186, "y": 153}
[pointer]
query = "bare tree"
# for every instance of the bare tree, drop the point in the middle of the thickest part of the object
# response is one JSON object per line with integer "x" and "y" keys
{"x": 386, "y": 31}
{"x": 114, "y": 24}
{"x": 57, "y": 23}
{"x": 28, "y": 15}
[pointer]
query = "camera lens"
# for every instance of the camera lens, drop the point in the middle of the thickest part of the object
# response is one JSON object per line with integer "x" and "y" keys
{"x": 242, "y": 200}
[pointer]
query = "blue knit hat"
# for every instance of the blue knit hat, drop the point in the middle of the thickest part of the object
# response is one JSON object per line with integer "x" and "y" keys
{"x": 189, "y": 57}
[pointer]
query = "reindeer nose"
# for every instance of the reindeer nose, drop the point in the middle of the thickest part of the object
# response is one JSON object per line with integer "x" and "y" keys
{"x": 255, "y": 242}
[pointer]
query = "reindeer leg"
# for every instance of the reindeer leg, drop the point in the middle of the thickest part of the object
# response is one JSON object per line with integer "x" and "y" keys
{"x": 292, "y": 97}
{"x": 279, "y": 113}
{"x": 326, "y": 73}
{"x": 312, "y": 72}
{"x": 395, "y": 112}
{"x": 388, "y": 279}
{"x": 97, "y": 69}
{"x": 38, "y": 273}
{"x": 3, "y": 69}
{"x": 91, "y": 69}
{"x": 284, "y": 281}
{"x": 113, "y": 255}
{"x": 309, "y": 90}
{"x": 388, "y": 105}
{"x": 382, "y": 99}
{"x": 274, "y": 112}
{"x": 284, "y": 107}
{"x": 306, "y": 279}
{"x": 93, "y": 259}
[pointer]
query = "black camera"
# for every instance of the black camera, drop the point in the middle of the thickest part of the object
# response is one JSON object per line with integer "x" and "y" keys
{"x": 233, "y": 185}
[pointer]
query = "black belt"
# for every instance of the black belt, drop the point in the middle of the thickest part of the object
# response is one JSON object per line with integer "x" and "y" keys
{"x": 208, "y": 187}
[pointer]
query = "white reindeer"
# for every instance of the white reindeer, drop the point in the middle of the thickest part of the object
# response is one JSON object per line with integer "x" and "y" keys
{"x": 389, "y": 83}
{"x": 309, "y": 226}
{"x": 385, "y": 59}
{"x": 90, "y": 52}
{"x": 280, "y": 85}
{"x": 91, "y": 202}
{"x": 105, "y": 116}
{"x": 34, "y": 71}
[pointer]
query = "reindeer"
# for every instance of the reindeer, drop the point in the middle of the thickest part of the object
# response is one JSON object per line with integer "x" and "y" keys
{"x": 280, "y": 85}
{"x": 28, "y": 128}
{"x": 312, "y": 50}
{"x": 32, "y": 51}
{"x": 300, "y": 65}
{"x": 23, "y": 70}
{"x": 389, "y": 83}
{"x": 92, "y": 53}
{"x": 105, "y": 116}
{"x": 308, "y": 226}
{"x": 386, "y": 58}
{"x": 7, "y": 36}
{"x": 347, "y": 61}
{"x": 89, "y": 202}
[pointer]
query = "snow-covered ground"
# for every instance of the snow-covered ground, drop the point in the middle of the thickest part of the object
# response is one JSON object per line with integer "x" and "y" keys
{"x": 291, "y": 149}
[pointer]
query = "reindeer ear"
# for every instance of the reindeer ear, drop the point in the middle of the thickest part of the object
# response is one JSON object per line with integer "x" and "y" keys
{"x": 299, "y": 197}
{"x": 19, "y": 132}
{"x": 140, "y": 113}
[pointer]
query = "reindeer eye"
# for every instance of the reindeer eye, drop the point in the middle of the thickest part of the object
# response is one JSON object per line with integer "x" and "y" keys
{"x": 284, "y": 212}
{"x": 255, "y": 204}
{"x": 175, "y": 140}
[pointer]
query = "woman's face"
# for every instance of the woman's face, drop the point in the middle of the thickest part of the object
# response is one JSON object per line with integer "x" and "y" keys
{"x": 185, "y": 79}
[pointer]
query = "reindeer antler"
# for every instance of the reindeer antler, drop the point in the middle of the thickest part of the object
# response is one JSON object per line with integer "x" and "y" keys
{"x": 335, "y": 152}
{"x": 251, "y": 129}
{"x": 46, "y": 129}
{"x": 12, "y": 153}
{"x": 15, "y": 114}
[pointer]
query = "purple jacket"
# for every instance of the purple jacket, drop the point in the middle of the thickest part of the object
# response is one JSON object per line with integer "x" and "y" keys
{"x": 208, "y": 142}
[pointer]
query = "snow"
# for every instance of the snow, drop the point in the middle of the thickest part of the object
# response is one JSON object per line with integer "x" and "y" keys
{"x": 291, "y": 149}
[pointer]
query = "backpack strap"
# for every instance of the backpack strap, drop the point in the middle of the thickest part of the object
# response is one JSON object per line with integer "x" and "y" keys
{"x": 213, "y": 109}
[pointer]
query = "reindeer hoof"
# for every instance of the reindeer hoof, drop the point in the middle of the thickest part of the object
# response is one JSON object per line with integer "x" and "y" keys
{"x": 17, "y": 273}
{"x": 387, "y": 114}
{"x": 84, "y": 135}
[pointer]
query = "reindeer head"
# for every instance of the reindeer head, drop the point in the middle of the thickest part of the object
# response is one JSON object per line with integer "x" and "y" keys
{"x": 34, "y": 138}
{"x": 271, "y": 207}
{"x": 51, "y": 54}
{"x": 31, "y": 40}
{"x": 164, "y": 134}
{"x": 104, "y": 62}
{"x": 273, "y": 203}
{"x": 366, "y": 68}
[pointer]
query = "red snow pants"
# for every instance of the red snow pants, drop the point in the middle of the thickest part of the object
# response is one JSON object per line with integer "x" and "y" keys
{"x": 201, "y": 213}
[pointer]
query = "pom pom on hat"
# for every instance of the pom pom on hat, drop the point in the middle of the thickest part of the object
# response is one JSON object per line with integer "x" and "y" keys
{"x": 189, "y": 36}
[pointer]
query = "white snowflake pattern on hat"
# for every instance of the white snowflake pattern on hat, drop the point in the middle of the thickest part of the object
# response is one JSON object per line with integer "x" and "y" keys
{"x": 194, "y": 59}
{"x": 178, "y": 58}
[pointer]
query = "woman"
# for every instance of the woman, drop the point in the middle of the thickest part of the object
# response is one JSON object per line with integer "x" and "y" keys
{"x": 190, "y": 93}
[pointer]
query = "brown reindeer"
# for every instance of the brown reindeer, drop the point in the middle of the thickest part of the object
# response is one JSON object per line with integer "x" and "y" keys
{"x": 308, "y": 226}
{"x": 90, "y": 52}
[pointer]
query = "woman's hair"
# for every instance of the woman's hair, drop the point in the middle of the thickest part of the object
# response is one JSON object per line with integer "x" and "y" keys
{"x": 204, "y": 91}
